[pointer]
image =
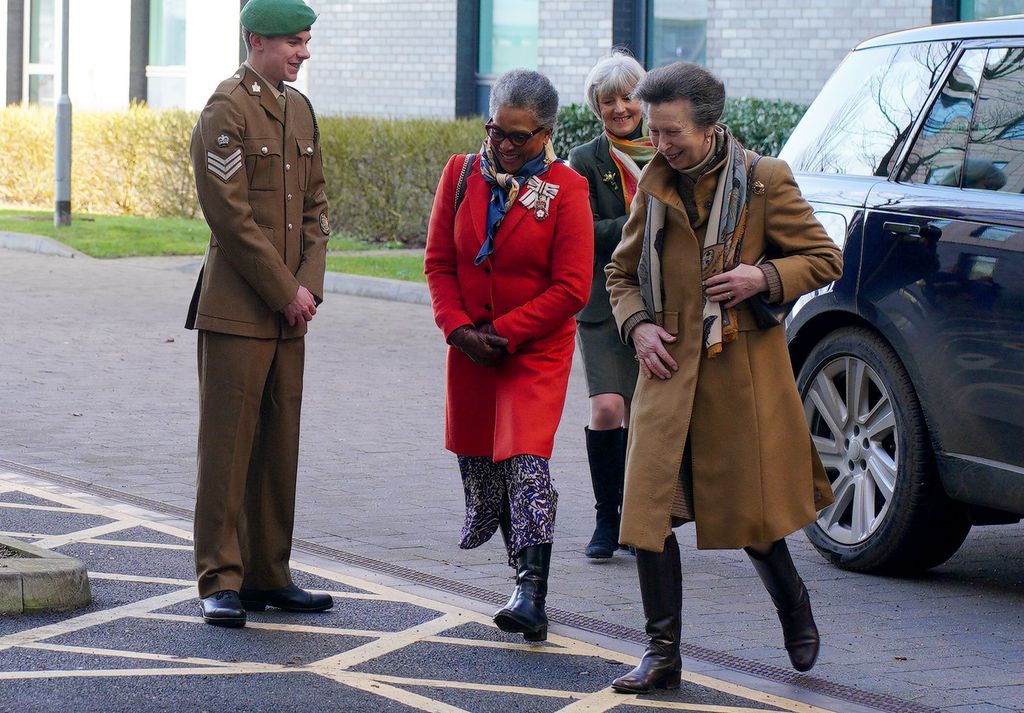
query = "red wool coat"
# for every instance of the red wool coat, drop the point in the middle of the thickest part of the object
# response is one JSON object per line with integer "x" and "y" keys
{"x": 531, "y": 287}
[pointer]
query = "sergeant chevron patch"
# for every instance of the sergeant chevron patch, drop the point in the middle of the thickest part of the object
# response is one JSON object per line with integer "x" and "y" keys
{"x": 224, "y": 167}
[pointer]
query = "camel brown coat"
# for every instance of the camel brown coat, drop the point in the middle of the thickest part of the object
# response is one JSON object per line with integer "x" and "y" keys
{"x": 756, "y": 475}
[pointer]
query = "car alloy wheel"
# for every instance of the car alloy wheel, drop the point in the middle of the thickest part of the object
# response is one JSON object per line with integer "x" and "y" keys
{"x": 890, "y": 512}
{"x": 851, "y": 417}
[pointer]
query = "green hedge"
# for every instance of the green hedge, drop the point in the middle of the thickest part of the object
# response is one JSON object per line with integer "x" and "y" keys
{"x": 127, "y": 162}
{"x": 381, "y": 174}
{"x": 759, "y": 124}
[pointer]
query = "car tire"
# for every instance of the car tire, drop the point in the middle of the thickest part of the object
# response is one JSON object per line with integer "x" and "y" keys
{"x": 891, "y": 514}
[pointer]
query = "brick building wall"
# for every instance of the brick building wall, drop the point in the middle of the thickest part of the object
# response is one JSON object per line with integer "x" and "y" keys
{"x": 572, "y": 36}
{"x": 393, "y": 58}
{"x": 788, "y": 50}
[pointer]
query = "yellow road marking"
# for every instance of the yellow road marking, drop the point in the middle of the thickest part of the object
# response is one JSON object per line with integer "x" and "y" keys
{"x": 272, "y": 626}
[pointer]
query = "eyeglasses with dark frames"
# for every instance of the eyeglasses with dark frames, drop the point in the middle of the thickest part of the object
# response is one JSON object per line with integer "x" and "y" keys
{"x": 516, "y": 138}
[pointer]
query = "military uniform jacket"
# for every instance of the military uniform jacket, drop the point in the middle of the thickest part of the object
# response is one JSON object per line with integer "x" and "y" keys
{"x": 260, "y": 182}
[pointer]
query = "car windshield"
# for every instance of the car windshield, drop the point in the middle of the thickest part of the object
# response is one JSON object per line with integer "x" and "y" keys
{"x": 861, "y": 118}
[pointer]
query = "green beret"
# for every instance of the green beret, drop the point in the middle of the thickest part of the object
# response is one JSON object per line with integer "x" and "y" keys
{"x": 276, "y": 17}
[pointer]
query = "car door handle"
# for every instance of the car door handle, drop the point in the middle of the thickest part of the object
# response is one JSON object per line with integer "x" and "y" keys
{"x": 909, "y": 230}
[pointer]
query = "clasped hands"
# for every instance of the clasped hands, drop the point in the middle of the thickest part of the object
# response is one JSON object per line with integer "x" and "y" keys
{"x": 649, "y": 340}
{"x": 481, "y": 344}
{"x": 303, "y": 307}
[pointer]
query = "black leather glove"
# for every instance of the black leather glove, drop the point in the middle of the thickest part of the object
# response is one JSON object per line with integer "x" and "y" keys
{"x": 482, "y": 345}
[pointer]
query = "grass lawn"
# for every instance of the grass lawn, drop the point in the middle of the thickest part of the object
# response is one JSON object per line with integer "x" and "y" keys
{"x": 113, "y": 236}
{"x": 396, "y": 267}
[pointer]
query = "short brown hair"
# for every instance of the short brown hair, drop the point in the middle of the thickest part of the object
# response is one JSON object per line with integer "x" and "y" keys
{"x": 685, "y": 80}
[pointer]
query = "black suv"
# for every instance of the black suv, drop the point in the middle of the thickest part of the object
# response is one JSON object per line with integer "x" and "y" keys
{"x": 911, "y": 366}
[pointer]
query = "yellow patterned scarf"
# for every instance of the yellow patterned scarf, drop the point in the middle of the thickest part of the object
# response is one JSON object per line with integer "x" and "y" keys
{"x": 630, "y": 156}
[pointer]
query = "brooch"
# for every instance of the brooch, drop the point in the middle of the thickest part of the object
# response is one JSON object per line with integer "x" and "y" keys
{"x": 758, "y": 188}
{"x": 537, "y": 195}
{"x": 609, "y": 178}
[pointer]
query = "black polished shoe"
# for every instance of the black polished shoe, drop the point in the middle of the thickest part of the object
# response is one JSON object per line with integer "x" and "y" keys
{"x": 223, "y": 608}
{"x": 289, "y": 598}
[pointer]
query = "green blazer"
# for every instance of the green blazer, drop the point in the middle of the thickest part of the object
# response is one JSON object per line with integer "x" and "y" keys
{"x": 593, "y": 161}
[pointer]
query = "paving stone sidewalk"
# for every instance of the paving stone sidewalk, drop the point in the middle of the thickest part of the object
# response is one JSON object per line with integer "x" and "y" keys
{"x": 97, "y": 382}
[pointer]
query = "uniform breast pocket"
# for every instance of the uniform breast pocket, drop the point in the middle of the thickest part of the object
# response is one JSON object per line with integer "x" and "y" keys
{"x": 304, "y": 151}
{"x": 263, "y": 164}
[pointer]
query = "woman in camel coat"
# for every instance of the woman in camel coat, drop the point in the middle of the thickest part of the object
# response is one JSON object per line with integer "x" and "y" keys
{"x": 717, "y": 433}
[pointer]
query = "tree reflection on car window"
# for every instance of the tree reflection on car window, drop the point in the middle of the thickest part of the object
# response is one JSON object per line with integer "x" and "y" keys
{"x": 995, "y": 153}
{"x": 861, "y": 119}
{"x": 937, "y": 156}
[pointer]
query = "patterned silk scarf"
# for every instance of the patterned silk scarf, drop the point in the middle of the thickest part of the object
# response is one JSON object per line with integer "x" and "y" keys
{"x": 720, "y": 253}
{"x": 630, "y": 156}
{"x": 505, "y": 188}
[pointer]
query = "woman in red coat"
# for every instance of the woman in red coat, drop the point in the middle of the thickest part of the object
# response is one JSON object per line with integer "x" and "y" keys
{"x": 508, "y": 263}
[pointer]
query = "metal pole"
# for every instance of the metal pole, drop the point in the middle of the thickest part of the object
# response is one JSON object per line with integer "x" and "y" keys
{"x": 62, "y": 140}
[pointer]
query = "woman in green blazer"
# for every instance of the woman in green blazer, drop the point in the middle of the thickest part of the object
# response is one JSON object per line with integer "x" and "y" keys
{"x": 611, "y": 163}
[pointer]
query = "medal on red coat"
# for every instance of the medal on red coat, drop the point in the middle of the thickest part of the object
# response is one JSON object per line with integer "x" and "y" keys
{"x": 537, "y": 196}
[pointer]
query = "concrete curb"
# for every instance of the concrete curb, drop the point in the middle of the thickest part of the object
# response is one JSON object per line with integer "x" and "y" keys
{"x": 37, "y": 244}
{"x": 377, "y": 287}
{"x": 41, "y": 580}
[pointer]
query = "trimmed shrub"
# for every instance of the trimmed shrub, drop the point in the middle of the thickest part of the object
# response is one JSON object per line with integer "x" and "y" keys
{"x": 126, "y": 162}
{"x": 760, "y": 125}
{"x": 382, "y": 174}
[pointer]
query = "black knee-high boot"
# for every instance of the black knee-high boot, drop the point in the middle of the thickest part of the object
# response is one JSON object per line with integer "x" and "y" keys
{"x": 788, "y": 593}
{"x": 606, "y": 454}
{"x": 524, "y": 614}
{"x": 661, "y": 589}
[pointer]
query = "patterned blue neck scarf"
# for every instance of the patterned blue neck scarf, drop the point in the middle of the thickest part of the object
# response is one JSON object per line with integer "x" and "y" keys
{"x": 504, "y": 189}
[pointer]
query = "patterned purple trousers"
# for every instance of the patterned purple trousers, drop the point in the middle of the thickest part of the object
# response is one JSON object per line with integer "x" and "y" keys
{"x": 521, "y": 486}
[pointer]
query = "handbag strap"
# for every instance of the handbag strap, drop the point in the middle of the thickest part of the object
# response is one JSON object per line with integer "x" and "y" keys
{"x": 460, "y": 187}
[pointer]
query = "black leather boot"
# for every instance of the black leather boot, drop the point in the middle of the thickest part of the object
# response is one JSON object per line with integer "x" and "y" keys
{"x": 524, "y": 613}
{"x": 661, "y": 588}
{"x": 607, "y": 457}
{"x": 788, "y": 593}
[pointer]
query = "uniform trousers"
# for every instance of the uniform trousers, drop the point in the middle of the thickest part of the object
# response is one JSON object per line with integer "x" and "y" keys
{"x": 250, "y": 396}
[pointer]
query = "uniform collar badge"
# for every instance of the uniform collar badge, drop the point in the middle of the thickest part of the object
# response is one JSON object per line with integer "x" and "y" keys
{"x": 223, "y": 140}
{"x": 255, "y": 88}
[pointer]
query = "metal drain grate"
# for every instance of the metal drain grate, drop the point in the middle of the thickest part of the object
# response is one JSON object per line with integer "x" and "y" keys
{"x": 578, "y": 621}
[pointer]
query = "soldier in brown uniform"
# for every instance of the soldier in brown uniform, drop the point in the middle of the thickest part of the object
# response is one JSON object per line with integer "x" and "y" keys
{"x": 256, "y": 154}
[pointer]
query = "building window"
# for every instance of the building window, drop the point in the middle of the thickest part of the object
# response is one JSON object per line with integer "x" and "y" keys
{"x": 165, "y": 73}
{"x": 42, "y": 48}
{"x": 676, "y": 30}
{"x": 507, "y": 40}
{"x": 980, "y": 9}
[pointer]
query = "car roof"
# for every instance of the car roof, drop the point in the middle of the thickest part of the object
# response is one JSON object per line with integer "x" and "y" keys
{"x": 1010, "y": 26}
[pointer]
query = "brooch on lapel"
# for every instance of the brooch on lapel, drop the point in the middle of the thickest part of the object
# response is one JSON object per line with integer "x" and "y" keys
{"x": 758, "y": 188}
{"x": 537, "y": 195}
{"x": 609, "y": 178}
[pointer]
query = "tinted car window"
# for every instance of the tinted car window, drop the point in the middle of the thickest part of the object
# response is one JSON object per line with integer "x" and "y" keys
{"x": 861, "y": 119}
{"x": 938, "y": 152}
{"x": 995, "y": 155}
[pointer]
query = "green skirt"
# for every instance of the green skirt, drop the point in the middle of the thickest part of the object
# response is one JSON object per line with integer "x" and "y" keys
{"x": 609, "y": 364}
